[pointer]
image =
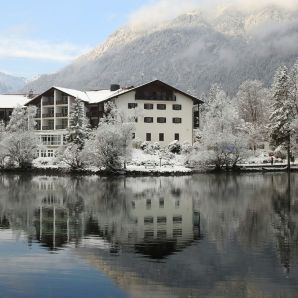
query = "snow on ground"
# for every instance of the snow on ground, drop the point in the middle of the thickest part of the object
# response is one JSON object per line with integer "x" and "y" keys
{"x": 140, "y": 162}
{"x": 144, "y": 162}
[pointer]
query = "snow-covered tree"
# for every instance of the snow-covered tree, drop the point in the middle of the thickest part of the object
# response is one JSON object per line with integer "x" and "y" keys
{"x": 22, "y": 119}
{"x": 19, "y": 143}
{"x": 284, "y": 114}
{"x": 113, "y": 140}
{"x": 78, "y": 133}
{"x": 221, "y": 137}
{"x": 72, "y": 156}
{"x": 253, "y": 103}
{"x": 21, "y": 147}
{"x": 78, "y": 125}
{"x": 294, "y": 88}
{"x": 282, "y": 110}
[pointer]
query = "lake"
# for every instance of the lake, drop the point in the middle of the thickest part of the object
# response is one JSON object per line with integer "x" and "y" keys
{"x": 193, "y": 236}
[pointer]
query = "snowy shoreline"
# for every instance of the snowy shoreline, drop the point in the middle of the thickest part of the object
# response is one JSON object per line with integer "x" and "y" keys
{"x": 138, "y": 171}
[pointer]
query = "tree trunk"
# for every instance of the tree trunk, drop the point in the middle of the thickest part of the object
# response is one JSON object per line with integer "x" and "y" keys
{"x": 289, "y": 153}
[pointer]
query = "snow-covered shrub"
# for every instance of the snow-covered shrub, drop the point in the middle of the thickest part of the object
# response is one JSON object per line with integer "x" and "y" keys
{"x": 45, "y": 161}
{"x": 156, "y": 146}
{"x": 201, "y": 160}
{"x": 73, "y": 156}
{"x": 186, "y": 148}
{"x": 136, "y": 143}
{"x": 144, "y": 145}
{"x": 280, "y": 152}
{"x": 175, "y": 147}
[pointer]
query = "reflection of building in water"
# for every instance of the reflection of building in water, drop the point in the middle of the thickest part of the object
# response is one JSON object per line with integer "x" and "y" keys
{"x": 59, "y": 213}
{"x": 56, "y": 222}
{"x": 170, "y": 222}
{"x": 154, "y": 227}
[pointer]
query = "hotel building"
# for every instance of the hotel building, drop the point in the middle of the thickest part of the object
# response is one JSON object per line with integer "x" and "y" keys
{"x": 162, "y": 112}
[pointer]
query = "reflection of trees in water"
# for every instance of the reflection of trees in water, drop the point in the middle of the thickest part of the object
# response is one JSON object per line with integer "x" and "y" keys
{"x": 285, "y": 225}
{"x": 242, "y": 217}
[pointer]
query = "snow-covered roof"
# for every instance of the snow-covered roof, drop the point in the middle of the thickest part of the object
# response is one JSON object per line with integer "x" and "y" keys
{"x": 98, "y": 96}
{"x": 95, "y": 96}
{"x": 10, "y": 101}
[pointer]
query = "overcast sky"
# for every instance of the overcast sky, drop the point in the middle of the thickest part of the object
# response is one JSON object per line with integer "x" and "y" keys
{"x": 42, "y": 36}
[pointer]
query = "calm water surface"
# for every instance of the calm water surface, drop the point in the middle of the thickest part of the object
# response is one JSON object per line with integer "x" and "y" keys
{"x": 200, "y": 236}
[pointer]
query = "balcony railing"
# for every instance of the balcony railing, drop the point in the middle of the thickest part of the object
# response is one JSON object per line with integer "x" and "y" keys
{"x": 61, "y": 102}
{"x": 61, "y": 115}
{"x": 48, "y": 102}
{"x": 47, "y": 127}
{"x": 61, "y": 126}
{"x": 47, "y": 115}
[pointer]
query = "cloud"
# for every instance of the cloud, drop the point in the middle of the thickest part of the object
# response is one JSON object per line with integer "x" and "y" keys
{"x": 18, "y": 47}
{"x": 158, "y": 11}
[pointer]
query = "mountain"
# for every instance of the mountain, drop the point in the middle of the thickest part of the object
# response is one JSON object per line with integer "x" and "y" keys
{"x": 192, "y": 51}
{"x": 9, "y": 84}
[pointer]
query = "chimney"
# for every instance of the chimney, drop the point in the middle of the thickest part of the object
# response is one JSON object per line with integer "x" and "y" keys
{"x": 114, "y": 87}
{"x": 30, "y": 94}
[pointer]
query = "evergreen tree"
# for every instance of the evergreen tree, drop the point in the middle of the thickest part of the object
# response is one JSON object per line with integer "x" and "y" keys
{"x": 294, "y": 88}
{"x": 78, "y": 130}
{"x": 283, "y": 116}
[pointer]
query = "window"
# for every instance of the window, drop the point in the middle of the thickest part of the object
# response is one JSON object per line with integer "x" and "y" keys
{"x": 148, "y": 204}
{"x": 161, "y": 106}
{"x": 177, "y": 233}
{"x": 50, "y": 124}
{"x": 161, "y": 119}
{"x": 132, "y": 105}
{"x": 161, "y": 137}
{"x": 133, "y": 205}
{"x": 133, "y": 135}
{"x": 64, "y": 111}
{"x": 161, "y": 203}
{"x": 148, "y": 106}
{"x": 64, "y": 123}
{"x": 177, "y": 120}
{"x": 177, "y": 107}
{"x": 177, "y": 219}
{"x": 148, "y": 119}
{"x": 50, "y": 153}
{"x": 176, "y": 136}
{"x": 43, "y": 153}
{"x": 161, "y": 234}
{"x": 148, "y": 220}
{"x": 148, "y": 137}
{"x": 161, "y": 219}
{"x": 64, "y": 98}
{"x": 149, "y": 235}
{"x": 51, "y": 140}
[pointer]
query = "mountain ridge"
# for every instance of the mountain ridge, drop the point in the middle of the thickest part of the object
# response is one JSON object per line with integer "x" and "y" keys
{"x": 191, "y": 51}
{"x": 9, "y": 83}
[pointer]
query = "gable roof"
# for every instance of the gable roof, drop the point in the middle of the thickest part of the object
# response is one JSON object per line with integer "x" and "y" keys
{"x": 98, "y": 96}
{"x": 162, "y": 83}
